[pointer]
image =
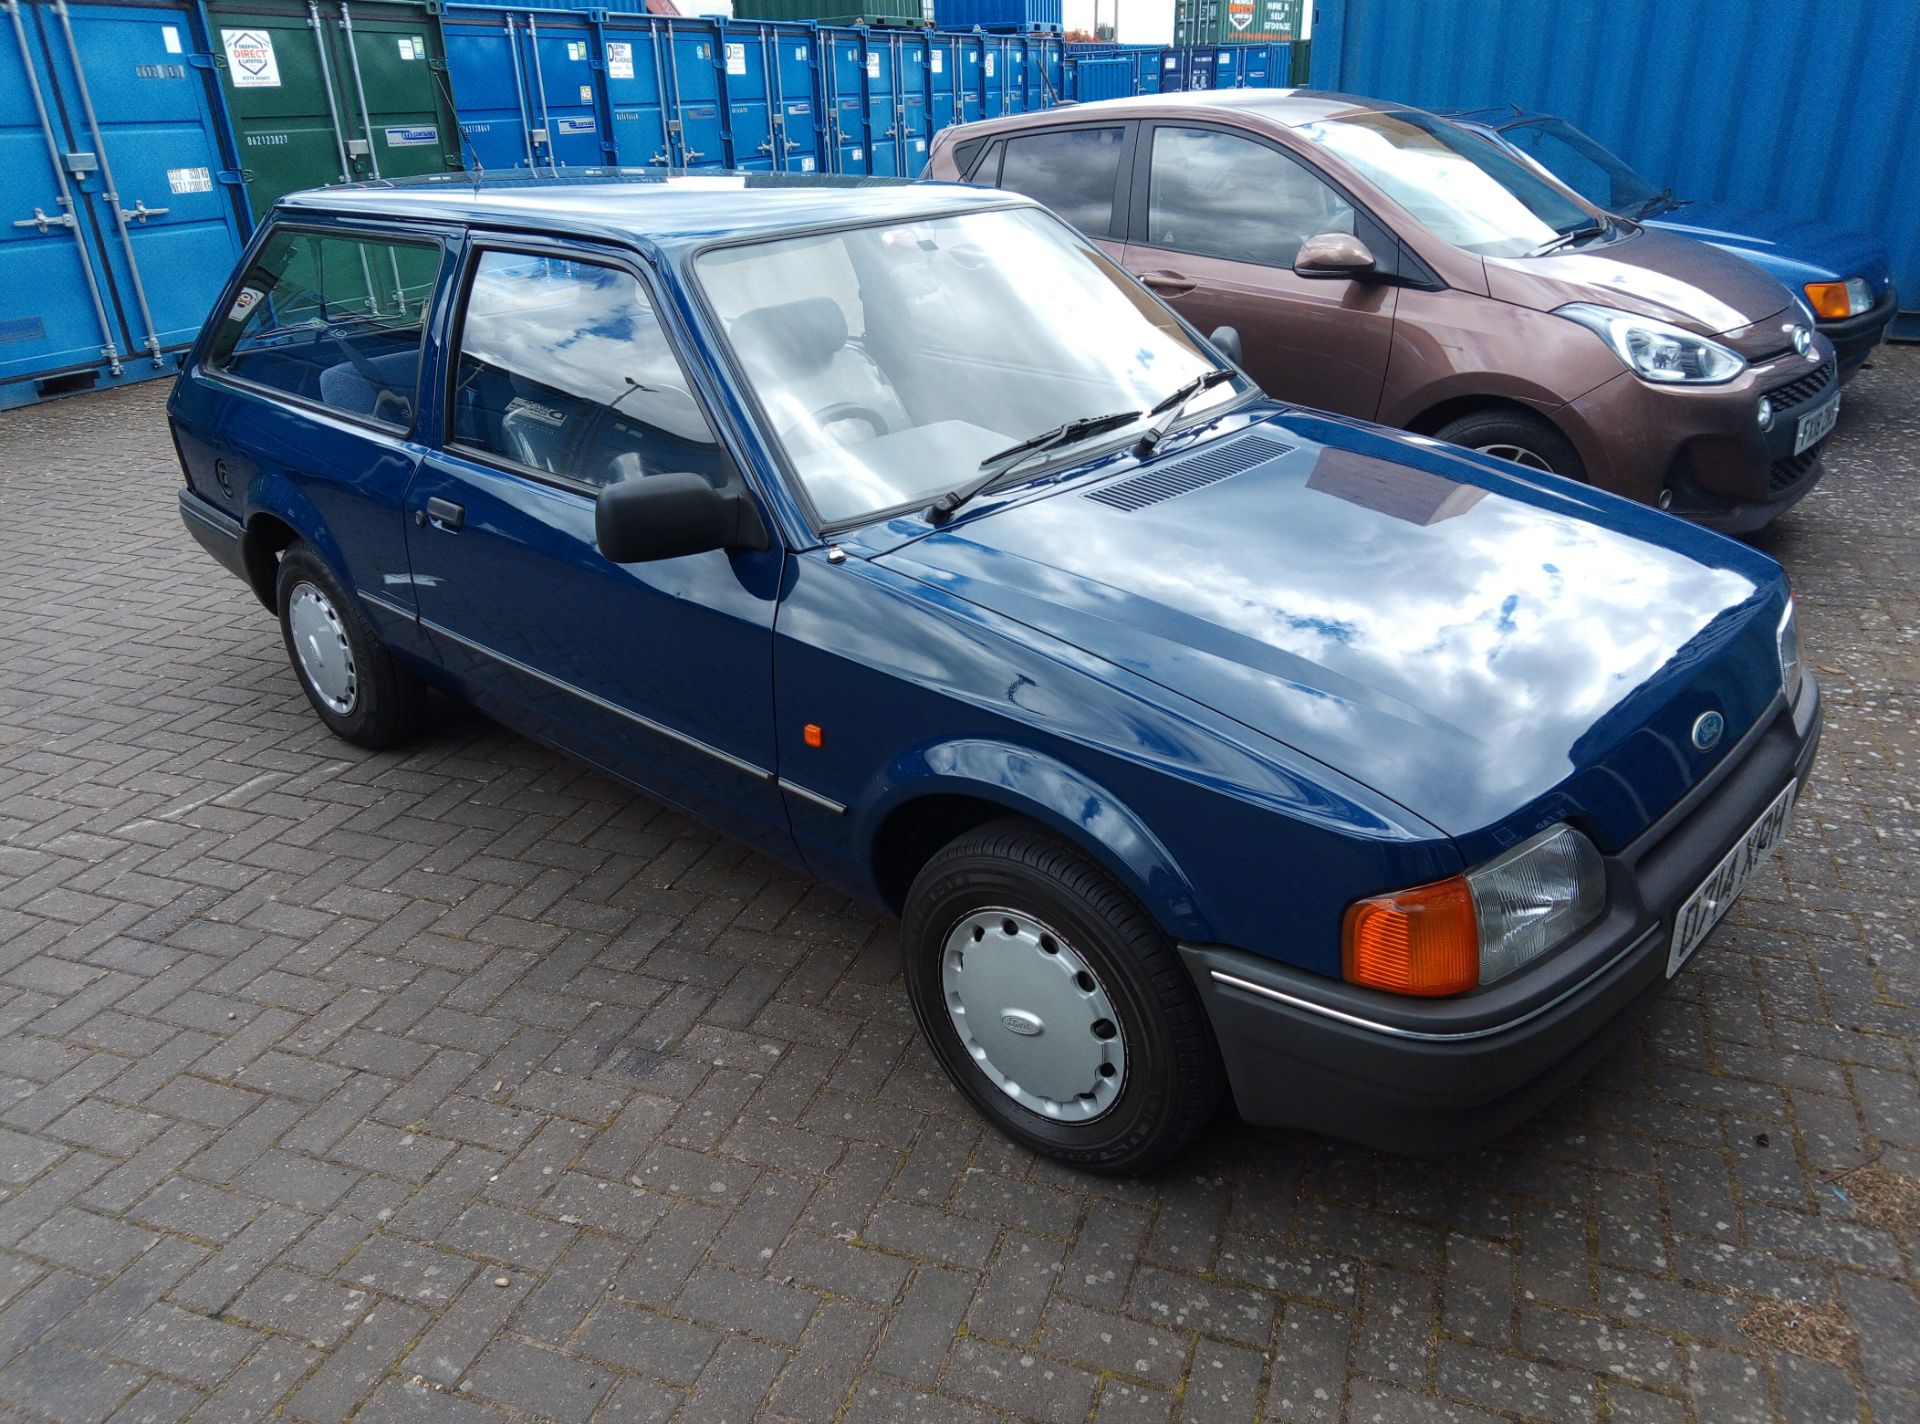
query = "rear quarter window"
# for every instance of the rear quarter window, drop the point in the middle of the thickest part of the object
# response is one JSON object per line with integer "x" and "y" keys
{"x": 334, "y": 319}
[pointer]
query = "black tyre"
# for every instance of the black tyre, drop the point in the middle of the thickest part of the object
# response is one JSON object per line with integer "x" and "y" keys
{"x": 348, "y": 674}
{"x": 1055, "y": 1004}
{"x": 1514, "y": 435}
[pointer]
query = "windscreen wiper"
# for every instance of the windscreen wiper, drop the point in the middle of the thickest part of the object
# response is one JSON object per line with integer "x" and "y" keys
{"x": 1576, "y": 234}
{"x": 1003, "y": 462}
{"x": 1658, "y": 203}
{"x": 1169, "y": 409}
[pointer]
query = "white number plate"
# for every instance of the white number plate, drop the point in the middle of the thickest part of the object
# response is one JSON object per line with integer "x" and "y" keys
{"x": 1705, "y": 906}
{"x": 1816, "y": 426}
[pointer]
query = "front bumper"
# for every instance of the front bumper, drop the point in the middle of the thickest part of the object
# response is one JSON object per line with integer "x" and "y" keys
{"x": 1441, "y": 1075}
{"x": 1855, "y": 338}
{"x": 1703, "y": 445}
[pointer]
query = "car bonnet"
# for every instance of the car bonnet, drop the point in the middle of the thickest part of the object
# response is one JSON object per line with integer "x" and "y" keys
{"x": 1485, "y": 651}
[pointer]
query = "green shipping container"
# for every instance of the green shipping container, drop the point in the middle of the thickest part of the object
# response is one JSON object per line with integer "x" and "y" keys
{"x": 838, "y": 12}
{"x": 334, "y": 92}
{"x": 1218, "y": 22}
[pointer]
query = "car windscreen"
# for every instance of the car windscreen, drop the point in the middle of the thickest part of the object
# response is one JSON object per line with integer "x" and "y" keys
{"x": 1579, "y": 161}
{"x": 891, "y": 360}
{"x": 1462, "y": 187}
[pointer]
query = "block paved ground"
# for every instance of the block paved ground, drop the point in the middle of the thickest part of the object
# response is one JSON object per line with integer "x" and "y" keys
{"x": 302, "y": 1050}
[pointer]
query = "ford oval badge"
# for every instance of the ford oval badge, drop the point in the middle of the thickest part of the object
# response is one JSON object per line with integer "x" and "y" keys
{"x": 1021, "y": 1022}
{"x": 1707, "y": 728}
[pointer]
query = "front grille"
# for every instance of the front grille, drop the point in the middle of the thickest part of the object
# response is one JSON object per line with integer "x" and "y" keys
{"x": 1802, "y": 389}
{"x": 1784, "y": 474}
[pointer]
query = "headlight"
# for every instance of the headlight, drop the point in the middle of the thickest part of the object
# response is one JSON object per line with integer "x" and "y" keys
{"x": 1788, "y": 639}
{"x": 1836, "y": 301}
{"x": 1472, "y": 929}
{"x": 1655, "y": 351}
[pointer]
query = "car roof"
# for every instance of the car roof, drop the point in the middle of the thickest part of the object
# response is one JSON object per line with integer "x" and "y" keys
{"x": 1287, "y": 107}
{"x": 661, "y": 208}
{"x": 1495, "y": 116}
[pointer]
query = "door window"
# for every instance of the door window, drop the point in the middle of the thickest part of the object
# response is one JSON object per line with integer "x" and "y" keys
{"x": 1218, "y": 195}
{"x": 334, "y": 319}
{"x": 1072, "y": 171}
{"x": 564, "y": 368}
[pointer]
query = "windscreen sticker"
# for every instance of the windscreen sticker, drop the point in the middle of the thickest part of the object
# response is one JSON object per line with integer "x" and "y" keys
{"x": 412, "y": 136}
{"x": 190, "y": 180}
{"x": 251, "y": 62}
{"x": 170, "y": 37}
{"x": 619, "y": 59}
{"x": 736, "y": 59}
{"x": 243, "y": 303}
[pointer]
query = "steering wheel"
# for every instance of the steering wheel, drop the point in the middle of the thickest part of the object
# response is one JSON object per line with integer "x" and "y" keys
{"x": 385, "y": 396}
{"x": 852, "y": 410}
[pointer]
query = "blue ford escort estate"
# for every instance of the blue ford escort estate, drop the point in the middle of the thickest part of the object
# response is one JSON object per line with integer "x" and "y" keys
{"x": 1199, "y": 741}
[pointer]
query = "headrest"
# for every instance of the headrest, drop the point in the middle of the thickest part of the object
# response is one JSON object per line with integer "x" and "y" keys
{"x": 806, "y": 333}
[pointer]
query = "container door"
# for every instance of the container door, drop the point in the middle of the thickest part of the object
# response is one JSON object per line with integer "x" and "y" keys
{"x": 1227, "y": 73}
{"x": 846, "y": 95}
{"x": 635, "y": 66}
{"x": 396, "y": 75}
{"x": 971, "y": 82}
{"x": 911, "y": 76}
{"x": 883, "y": 127}
{"x": 564, "y": 94}
{"x": 53, "y": 306}
{"x": 993, "y": 85}
{"x": 276, "y": 72}
{"x": 694, "y": 123}
{"x": 943, "y": 78}
{"x": 489, "y": 91}
{"x": 166, "y": 225}
{"x": 746, "y": 54}
{"x": 798, "y": 120}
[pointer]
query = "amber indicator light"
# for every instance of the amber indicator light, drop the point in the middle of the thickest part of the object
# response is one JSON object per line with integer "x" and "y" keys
{"x": 1422, "y": 941}
{"x": 812, "y": 735}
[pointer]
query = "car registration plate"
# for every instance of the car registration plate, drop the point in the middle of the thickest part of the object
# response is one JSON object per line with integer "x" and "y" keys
{"x": 1816, "y": 426}
{"x": 1716, "y": 894}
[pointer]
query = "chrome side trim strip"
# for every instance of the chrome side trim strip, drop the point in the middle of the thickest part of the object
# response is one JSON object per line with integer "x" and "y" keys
{"x": 381, "y": 601}
{"x": 759, "y": 773}
{"x": 1395, "y": 1031}
{"x": 825, "y": 803}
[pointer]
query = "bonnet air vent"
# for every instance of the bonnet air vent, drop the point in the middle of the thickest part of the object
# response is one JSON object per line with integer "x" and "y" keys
{"x": 1214, "y": 465}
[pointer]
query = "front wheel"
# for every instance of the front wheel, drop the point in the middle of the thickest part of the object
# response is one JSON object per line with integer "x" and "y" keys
{"x": 1055, "y": 1004}
{"x": 1517, "y": 436}
{"x": 353, "y": 681}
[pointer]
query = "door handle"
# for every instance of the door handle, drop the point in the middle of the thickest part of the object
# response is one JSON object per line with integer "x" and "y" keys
{"x": 445, "y": 514}
{"x": 1170, "y": 284}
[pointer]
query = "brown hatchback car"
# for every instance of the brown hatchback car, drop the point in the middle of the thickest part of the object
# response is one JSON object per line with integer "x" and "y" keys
{"x": 1378, "y": 261}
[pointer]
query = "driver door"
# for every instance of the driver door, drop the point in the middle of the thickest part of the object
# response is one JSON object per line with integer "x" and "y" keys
{"x": 1218, "y": 219}
{"x": 565, "y": 378}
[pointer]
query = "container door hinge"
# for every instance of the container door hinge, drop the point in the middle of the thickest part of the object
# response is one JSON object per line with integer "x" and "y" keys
{"x": 234, "y": 177}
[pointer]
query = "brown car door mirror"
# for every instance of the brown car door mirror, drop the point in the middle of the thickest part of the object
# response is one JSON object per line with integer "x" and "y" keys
{"x": 1226, "y": 340}
{"x": 1333, "y": 254}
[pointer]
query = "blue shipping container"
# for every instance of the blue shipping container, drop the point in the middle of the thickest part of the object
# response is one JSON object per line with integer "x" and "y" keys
{"x": 1015, "y": 15}
{"x": 1808, "y": 109}
{"x": 116, "y": 192}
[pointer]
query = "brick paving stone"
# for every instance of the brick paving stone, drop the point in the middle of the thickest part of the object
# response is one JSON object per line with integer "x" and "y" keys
{"x": 302, "y": 1048}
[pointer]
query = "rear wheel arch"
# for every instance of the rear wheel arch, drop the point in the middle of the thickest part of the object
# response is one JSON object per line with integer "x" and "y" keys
{"x": 267, "y": 537}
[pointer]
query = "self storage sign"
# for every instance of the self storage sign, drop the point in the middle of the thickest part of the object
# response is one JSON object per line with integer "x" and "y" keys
{"x": 251, "y": 62}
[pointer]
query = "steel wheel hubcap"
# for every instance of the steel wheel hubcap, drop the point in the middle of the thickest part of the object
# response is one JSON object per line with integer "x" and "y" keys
{"x": 1033, "y": 1015}
{"x": 320, "y": 642}
{"x": 1519, "y": 454}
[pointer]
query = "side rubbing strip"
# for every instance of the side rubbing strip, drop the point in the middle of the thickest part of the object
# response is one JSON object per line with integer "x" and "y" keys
{"x": 691, "y": 743}
{"x": 825, "y": 803}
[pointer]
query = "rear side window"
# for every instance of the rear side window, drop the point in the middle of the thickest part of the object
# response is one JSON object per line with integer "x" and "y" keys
{"x": 1072, "y": 171}
{"x": 565, "y": 369}
{"x": 334, "y": 319}
{"x": 1219, "y": 195}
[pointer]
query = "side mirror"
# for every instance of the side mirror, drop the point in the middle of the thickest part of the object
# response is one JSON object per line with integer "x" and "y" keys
{"x": 1226, "y": 340}
{"x": 1333, "y": 255}
{"x": 639, "y": 520}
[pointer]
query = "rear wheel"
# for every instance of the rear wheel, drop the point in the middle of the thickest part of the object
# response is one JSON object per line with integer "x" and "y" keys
{"x": 1514, "y": 435}
{"x": 353, "y": 681}
{"x": 1055, "y": 1004}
